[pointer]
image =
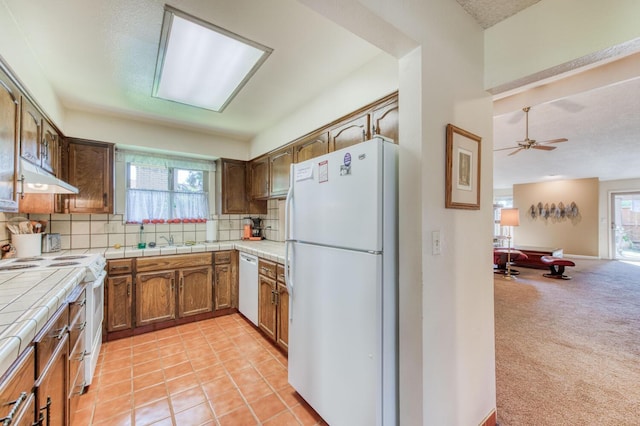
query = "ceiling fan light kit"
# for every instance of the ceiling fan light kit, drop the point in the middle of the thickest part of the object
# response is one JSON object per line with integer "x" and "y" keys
{"x": 531, "y": 143}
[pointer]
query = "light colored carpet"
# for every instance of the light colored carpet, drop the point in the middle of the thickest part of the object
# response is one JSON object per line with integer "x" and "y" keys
{"x": 568, "y": 352}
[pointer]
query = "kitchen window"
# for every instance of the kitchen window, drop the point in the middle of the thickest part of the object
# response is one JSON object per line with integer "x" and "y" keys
{"x": 163, "y": 189}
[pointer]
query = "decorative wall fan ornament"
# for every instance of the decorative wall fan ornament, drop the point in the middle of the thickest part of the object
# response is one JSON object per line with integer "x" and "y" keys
{"x": 532, "y": 143}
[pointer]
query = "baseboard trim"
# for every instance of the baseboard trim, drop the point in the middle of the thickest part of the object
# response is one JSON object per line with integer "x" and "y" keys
{"x": 491, "y": 419}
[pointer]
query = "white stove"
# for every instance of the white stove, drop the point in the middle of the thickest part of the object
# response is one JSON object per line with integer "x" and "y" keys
{"x": 95, "y": 275}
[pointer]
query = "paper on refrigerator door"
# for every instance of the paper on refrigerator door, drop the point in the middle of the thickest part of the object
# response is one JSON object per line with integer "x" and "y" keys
{"x": 304, "y": 172}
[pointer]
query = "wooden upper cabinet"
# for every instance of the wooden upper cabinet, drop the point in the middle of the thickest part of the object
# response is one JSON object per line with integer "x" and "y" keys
{"x": 9, "y": 110}
{"x": 259, "y": 178}
{"x": 384, "y": 120}
{"x": 91, "y": 171}
{"x": 234, "y": 188}
{"x": 30, "y": 132}
{"x": 50, "y": 152}
{"x": 350, "y": 133}
{"x": 279, "y": 168}
{"x": 311, "y": 147}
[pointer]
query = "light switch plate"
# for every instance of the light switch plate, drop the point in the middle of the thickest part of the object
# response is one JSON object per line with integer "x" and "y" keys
{"x": 435, "y": 242}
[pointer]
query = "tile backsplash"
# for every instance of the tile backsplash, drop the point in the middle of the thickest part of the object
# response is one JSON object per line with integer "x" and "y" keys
{"x": 83, "y": 231}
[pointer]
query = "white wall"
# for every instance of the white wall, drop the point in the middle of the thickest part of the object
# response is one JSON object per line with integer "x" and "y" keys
{"x": 16, "y": 53}
{"x": 373, "y": 81}
{"x": 550, "y": 33}
{"x": 604, "y": 211}
{"x": 441, "y": 82}
{"x": 152, "y": 135}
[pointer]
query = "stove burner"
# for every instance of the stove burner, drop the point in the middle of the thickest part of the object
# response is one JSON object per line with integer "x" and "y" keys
{"x": 28, "y": 259}
{"x": 54, "y": 265}
{"x": 13, "y": 267}
{"x": 70, "y": 257}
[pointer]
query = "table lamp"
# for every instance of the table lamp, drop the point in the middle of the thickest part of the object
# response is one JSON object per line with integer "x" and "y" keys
{"x": 509, "y": 218}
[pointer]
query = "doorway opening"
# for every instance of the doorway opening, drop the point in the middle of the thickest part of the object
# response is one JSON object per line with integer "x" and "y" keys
{"x": 625, "y": 225}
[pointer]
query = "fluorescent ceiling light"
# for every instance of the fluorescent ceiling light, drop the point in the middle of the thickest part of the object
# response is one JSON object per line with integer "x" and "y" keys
{"x": 201, "y": 64}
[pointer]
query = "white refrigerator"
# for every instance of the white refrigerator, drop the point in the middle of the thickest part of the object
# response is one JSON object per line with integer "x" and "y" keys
{"x": 342, "y": 257}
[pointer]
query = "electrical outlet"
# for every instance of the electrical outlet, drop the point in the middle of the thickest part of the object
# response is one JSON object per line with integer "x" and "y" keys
{"x": 436, "y": 243}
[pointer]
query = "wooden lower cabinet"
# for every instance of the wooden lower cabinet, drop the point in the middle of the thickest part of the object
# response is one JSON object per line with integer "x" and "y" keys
{"x": 196, "y": 291}
{"x": 155, "y": 297}
{"x": 118, "y": 311}
{"x": 282, "y": 336}
{"x": 16, "y": 390}
{"x": 225, "y": 280}
{"x": 273, "y": 303}
{"x": 266, "y": 306}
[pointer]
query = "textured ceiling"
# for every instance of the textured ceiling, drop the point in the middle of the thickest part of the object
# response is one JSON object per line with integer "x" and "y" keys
{"x": 489, "y": 12}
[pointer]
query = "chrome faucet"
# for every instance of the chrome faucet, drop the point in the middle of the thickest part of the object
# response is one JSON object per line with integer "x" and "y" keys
{"x": 168, "y": 240}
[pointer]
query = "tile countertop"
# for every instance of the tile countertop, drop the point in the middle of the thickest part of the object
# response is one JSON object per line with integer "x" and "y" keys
{"x": 27, "y": 301}
{"x": 272, "y": 250}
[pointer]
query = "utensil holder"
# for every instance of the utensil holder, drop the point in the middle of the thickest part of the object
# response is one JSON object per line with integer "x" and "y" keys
{"x": 27, "y": 245}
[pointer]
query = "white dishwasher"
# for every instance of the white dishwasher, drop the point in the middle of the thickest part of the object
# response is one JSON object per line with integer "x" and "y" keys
{"x": 248, "y": 291}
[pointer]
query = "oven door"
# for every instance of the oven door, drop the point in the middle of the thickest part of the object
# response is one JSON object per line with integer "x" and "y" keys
{"x": 94, "y": 331}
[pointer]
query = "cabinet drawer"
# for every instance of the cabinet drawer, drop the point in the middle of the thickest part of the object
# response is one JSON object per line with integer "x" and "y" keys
{"x": 47, "y": 340}
{"x": 120, "y": 266}
{"x": 157, "y": 263}
{"x": 267, "y": 268}
{"x": 280, "y": 269}
{"x": 77, "y": 306}
{"x": 17, "y": 385}
{"x": 76, "y": 364}
{"x": 222, "y": 257}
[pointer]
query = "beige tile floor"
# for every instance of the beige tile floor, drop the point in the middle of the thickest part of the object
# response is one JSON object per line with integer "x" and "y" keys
{"x": 219, "y": 371}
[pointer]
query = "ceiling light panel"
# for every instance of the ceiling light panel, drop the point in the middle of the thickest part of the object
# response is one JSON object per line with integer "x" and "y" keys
{"x": 201, "y": 64}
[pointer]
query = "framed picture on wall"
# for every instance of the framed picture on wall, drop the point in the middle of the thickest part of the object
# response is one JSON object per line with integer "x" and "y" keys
{"x": 463, "y": 169}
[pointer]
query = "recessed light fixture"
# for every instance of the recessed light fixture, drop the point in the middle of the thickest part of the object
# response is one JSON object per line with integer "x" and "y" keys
{"x": 201, "y": 64}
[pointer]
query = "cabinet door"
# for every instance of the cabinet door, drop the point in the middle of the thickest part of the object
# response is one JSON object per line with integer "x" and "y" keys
{"x": 50, "y": 149}
{"x": 51, "y": 387}
{"x": 223, "y": 295}
{"x": 234, "y": 188}
{"x": 9, "y": 110}
{"x": 350, "y": 133}
{"x": 196, "y": 291}
{"x": 18, "y": 381}
{"x": 90, "y": 170}
{"x": 311, "y": 147}
{"x": 259, "y": 178}
{"x": 119, "y": 303}
{"x": 283, "y": 316}
{"x": 266, "y": 306}
{"x": 30, "y": 132}
{"x": 279, "y": 168}
{"x": 155, "y": 297}
{"x": 385, "y": 120}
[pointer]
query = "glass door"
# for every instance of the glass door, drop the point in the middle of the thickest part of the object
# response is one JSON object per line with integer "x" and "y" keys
{"x": 625, "y": 225}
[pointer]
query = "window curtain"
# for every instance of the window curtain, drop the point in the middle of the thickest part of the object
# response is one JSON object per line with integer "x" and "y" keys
{"x": 166, "y": 161}
{"x": 147, "y": 204}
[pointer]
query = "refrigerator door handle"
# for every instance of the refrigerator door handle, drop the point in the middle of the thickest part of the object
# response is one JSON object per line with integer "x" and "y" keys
{"x": 287, "y": 240}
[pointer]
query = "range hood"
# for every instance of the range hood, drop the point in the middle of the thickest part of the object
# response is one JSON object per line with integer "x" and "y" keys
{"x": 36, "y": 180}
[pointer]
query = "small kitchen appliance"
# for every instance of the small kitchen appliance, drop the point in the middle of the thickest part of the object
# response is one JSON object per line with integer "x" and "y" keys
{"x": 50, "y": 243}
{"x": 256, "y": 229}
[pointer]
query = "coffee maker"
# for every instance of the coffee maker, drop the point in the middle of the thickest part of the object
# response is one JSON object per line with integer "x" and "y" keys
{"x": 256, "y": 229}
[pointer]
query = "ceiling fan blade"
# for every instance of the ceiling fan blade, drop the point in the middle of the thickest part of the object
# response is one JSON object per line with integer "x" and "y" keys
{"x": 554, "y": 140}
{"x": 544, "y": 147}
{"x": 504, "y": 149}
{"x": 516, "y": 151}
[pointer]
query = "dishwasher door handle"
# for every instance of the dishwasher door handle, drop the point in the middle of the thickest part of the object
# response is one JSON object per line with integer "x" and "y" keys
{"x": 248, "y": 258}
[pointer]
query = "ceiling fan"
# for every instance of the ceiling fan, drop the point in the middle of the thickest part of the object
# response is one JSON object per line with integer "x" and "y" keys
{"x": 532, "y": 143}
